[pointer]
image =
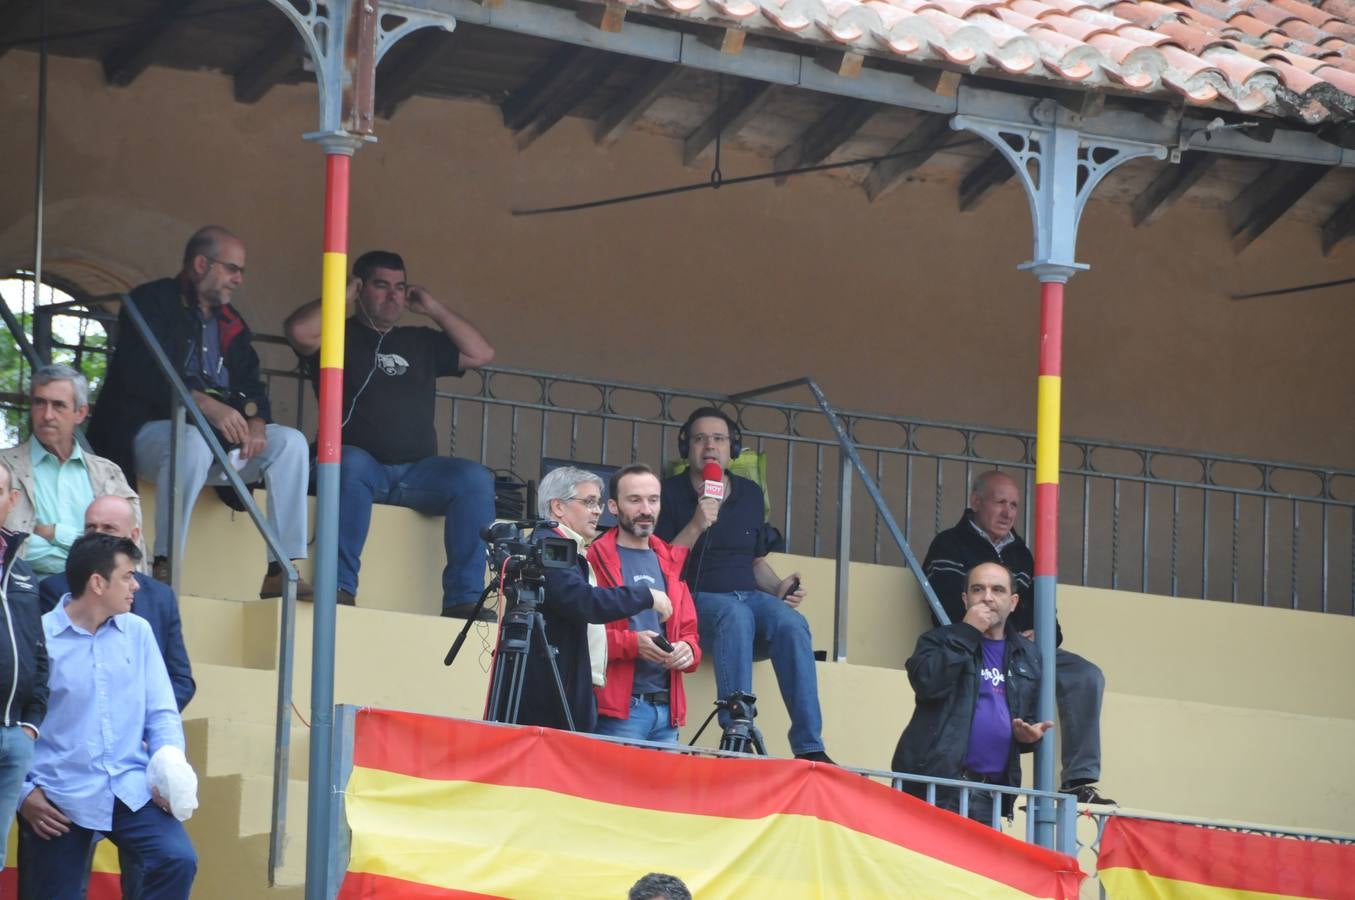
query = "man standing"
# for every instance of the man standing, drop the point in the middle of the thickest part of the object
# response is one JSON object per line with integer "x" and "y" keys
{"x": 643, "y": 696}
{"x": 55, "y": 477}
{"x": 154, "y": 602}
{"x": 977, "y": 685}
{"x": 390, "y": 448}
{"x": 23, "y": 663}
{"x": 743, "y": 608}
{"x": 110, "y": 695}
{"x": 985, "y": 533}
{"x": 573, "y": 498}
{"x": 194, "y": 322}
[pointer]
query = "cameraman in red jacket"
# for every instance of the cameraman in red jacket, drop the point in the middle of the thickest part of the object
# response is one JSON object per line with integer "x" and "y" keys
{"x": 642, "y": 698}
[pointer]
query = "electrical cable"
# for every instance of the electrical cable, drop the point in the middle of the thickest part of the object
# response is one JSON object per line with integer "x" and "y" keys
{"x": 741, "y": 179}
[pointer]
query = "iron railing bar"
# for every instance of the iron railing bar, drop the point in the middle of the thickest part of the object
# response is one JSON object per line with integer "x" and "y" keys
{"x": 1265, "y": 551}
{"x": 1204, "y": 546}
{"x": 1294, "y": 556}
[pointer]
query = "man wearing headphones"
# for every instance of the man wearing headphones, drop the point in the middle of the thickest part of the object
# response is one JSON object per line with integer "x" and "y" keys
{"x": 390, "y": 448}
{"x": 744, "y": 609}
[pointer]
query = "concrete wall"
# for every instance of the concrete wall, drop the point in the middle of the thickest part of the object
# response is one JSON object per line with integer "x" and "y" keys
{"x": 905, "y": 306}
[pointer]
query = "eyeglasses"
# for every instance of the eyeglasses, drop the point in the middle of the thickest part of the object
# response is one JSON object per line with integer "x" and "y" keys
{"x": 230, "y": 267}
{"x": 716, "y": 439}
{"x": 593, "y": 504}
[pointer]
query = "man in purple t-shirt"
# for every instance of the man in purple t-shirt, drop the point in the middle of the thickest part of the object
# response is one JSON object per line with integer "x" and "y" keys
{"x": 977, "y": 687}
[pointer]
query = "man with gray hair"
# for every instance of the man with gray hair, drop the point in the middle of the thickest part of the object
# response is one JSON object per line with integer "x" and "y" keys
{"x": 55, "y": 477}
{"x": 573, "y": 499}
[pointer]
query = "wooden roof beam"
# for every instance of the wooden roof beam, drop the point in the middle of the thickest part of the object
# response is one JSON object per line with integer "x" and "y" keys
{"x": 739, "y": 107}
{"x": 554, "y": 90}
{"x": 833, "y": 129}
{"x": 983, "y": 179}
{"x": 133, "y": 56}
{"x": 1340, "y": 226}
{"x": 409, "y": 62}
{"x": 1265, "y": 200}
{"x": 649, "y": 86}
{"x": 905, "y": 156}
{"x": 1171, "y": 185}
{"x": 12, "y": 15}
{"x": 273, "y": 62}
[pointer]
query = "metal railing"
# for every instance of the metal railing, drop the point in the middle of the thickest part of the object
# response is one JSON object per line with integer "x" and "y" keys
{"x": 1133, "y": 517}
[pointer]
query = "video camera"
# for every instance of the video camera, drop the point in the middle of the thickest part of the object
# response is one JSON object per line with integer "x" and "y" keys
{"x": 520, "y": 559}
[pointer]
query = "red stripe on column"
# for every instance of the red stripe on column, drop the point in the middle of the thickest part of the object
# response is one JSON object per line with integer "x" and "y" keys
{"x": 1051, "y": 328}
{"x": 336, "y": 203}
{"x": 329, "y": 435}
{"x": 1046, "y": 529}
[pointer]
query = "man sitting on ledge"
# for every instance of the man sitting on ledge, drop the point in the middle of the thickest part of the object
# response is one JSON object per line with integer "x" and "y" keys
{"x": 390, "y": 449}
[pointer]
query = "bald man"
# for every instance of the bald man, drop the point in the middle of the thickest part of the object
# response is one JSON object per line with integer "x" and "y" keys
{"x": 153, "y": 601}
{"x": 193, "y": 319}
{"x": 986, "y": 533}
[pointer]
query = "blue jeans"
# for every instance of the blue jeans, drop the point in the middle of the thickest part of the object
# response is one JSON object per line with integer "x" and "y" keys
{"x": 16, "y": 752}
{"x": 741, "y": 626}
{"x": 459, "y": 490}
{"x": 647, "y": 722}
{"x": 57, "y": 869}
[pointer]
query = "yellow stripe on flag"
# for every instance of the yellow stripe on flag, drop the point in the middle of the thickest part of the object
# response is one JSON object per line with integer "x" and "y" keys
{"x": 1136, "y": 884}
{"x": 1047, "y": 430}
{"x": 333, "y": 306}
{"x": 528, "y": 842}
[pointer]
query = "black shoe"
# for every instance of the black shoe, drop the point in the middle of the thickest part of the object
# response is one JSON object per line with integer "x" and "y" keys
{"x": 1087, "y": 793}
{"x": 816, "y": 756}
{"x": 464, "y": 610}
{"x": 343, "y": 598}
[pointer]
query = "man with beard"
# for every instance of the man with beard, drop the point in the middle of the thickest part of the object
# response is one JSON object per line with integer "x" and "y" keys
{"x": 643, "y": 697}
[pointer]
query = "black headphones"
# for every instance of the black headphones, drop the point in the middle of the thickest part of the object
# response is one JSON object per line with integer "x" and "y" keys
{"x": 710, "y": 412}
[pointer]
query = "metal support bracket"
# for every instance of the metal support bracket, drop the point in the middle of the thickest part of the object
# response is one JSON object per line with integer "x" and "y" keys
{"x": 346, "y": 39}
{"x": 1059, "y": 168}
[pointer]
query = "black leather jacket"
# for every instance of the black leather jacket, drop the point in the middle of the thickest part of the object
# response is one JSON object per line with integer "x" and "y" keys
{"x": 23, "y": 644}
{"x": 944, "y": 673}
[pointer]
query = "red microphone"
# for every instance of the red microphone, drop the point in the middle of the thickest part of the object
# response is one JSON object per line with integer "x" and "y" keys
{"x": 714, "y": 482}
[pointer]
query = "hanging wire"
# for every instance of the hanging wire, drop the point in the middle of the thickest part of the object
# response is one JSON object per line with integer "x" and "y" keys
{"x": 741, "y": 179}
{"x": 717, "y": 177}
{"x": 1297, "y": 289}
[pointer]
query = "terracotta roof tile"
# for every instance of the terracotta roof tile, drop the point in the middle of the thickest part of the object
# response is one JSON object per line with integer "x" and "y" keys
{"x": 1286, "y": 58}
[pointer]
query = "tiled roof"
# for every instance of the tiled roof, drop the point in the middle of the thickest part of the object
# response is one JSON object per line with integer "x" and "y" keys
{"x": 1288, "y": 58}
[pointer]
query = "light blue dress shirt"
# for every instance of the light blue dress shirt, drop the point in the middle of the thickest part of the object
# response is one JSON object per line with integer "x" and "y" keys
{"x": 109, "y": 693}
{"x": 63, "y": 492}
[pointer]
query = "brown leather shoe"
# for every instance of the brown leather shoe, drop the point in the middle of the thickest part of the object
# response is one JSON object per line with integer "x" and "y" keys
{"x": 273, "y": 584}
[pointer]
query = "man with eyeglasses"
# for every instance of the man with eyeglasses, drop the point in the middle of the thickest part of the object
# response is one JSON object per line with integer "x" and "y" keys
{"x": 192, "y": 318}
{"x": 743, "y": 608}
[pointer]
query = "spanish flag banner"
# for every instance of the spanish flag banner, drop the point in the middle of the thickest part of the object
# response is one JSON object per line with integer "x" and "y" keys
{"x": 443, "y": 808}
{"x": 1146, "y": 859}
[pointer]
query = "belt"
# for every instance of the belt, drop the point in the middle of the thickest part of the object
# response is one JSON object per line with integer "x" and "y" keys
{"x": 658, "y": 698}
{"x": 967, "y": 775}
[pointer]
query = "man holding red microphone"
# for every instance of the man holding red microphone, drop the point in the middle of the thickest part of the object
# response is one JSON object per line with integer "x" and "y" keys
{"x": 744, "y": 608}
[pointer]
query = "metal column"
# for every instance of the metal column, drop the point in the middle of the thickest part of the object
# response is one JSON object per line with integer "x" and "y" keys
{"x": 1059, "y": 167}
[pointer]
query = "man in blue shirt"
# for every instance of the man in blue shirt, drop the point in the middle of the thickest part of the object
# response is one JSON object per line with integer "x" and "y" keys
{"x": 742, "y": 607}
{"x": 110, "y": 709}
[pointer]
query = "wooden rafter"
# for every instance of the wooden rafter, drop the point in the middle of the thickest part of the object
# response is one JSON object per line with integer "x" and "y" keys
{"x": 399, "y": 77}
{"x": 741, "y": 104}
{"x": 1261, "y": 203}
{"x": 274, "y": 61}
{"x": 1171, "y": 185}
{"x": 1340, "y": 226}
{"x": 833, "y": 129}
{"x": 983, "y": 179}
{"x": 554, "y": 90}
{"x": 906, "y": 155}
{"x": 133, "y": 55}
{"x": 648, "y": 86}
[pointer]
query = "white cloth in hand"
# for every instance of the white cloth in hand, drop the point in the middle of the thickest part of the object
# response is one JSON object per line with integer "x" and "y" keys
{"x": 174, "y": 779}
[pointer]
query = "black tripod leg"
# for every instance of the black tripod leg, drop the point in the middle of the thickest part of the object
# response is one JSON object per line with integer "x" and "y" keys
{"x": 539, "y": 626}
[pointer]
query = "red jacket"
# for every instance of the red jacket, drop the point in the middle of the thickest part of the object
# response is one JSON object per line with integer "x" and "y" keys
{"x": 622, "y": 645}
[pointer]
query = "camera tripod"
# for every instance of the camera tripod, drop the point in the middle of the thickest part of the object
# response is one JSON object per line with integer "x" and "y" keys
{"x": 522, "y": 631}
{"x": 740, "y": 735}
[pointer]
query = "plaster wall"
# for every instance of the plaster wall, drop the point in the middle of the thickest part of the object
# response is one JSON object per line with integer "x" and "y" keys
{"x": 904, "y": 306}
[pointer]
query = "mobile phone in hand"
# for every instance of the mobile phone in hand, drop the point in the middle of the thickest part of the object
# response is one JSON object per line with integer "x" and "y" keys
{"x": 662, "y": 643}
{"x": 794, "y": 586}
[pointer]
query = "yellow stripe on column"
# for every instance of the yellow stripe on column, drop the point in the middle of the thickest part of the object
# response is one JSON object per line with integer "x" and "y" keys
{"x": 333, "y": 294}
{"x": 1047, "y": 430}
{"x": 1136, "y": 884}
{"x": 526, "y": 842}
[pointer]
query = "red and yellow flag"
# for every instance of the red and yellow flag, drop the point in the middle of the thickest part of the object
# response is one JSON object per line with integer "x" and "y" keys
{"x": 445, "y": 808}
{"x": 1145, "y": 859}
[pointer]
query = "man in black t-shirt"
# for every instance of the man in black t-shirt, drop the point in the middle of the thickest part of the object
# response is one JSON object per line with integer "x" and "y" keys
{"x": 743, "y": 608}
{"x": 390, "y": 452}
